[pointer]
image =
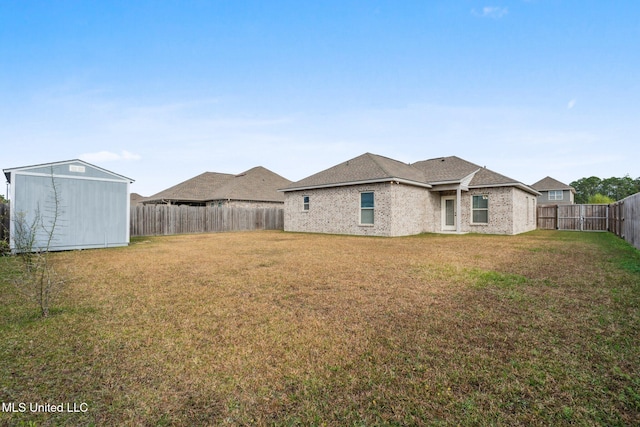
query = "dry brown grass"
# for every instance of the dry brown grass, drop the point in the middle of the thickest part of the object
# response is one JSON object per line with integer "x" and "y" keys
{"x": 272, "y": 328}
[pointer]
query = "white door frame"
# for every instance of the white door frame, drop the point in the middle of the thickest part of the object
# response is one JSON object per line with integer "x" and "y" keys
{"x": 443, "y": 210}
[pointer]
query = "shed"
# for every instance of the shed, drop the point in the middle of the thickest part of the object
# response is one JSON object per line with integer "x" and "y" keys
{"x": 85, "y": 206}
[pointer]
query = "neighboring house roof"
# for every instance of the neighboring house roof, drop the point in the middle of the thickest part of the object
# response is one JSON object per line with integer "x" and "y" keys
{"x": 256, "y": 184}
{"x": 136, "y": 199}
{"x": 369, "y": 168}
{"x": 548, "y": 183}
{"x": 366, "y": 168}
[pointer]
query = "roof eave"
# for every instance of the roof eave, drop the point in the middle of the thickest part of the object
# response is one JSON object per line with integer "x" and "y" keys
{"x": 349, "y": 183}
{"x": 509, "y": 184}
{"x": 573, "y": 190}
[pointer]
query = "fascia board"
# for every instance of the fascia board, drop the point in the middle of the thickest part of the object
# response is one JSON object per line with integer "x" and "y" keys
{"x": 83, "y": 178}
{"x": 447, "y": 187}
{"x": 346, "y": 184}
{"x": 512, "y": 184}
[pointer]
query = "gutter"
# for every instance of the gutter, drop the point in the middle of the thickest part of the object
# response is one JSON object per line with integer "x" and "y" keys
{"x": 512, "y": 184}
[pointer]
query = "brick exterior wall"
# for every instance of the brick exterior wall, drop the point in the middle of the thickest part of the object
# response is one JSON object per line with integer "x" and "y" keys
{"x": 399, "y": 210}
{"x": 511, "y": 211}
{"x": 524, "y": 211}
{"x": 402, "y": 210}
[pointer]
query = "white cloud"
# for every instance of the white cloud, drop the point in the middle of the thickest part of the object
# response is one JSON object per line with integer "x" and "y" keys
{"x": 108, "y": 156}
{"x": 571, "y": 104}
{"x": 491, "y": 12}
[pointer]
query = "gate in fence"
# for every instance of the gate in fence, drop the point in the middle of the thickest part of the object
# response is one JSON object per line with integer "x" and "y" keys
{"x": 583, "y": 217}
{"x": 573, "y": 217}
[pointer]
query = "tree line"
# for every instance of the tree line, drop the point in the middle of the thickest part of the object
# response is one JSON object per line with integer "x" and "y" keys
{"x": 608, "y": 190}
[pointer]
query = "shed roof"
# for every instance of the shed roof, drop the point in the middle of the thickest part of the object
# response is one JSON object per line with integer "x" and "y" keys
{"x": 256, "y": 184}
{"x": 548, "y": 183}
{"x": 7, "y": 172}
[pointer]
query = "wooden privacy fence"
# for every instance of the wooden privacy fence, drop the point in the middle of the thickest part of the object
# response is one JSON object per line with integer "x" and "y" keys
{"x": 547, "y": 216}
{"x": 149, "y": 220}
{"x": 583, "y": 217}
{"x": 621, "y": 218}
{"x": 624, "y": 219}
{"x": 4, "y": 221}
{"x": 573, "y": 217}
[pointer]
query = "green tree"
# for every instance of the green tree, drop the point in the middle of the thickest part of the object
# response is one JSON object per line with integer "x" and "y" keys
{"x": 600, "y": 199}
{"x": 615, "y": 188}
{"x": 586, "y": 187}
{"x": 618, "y": 188}
{"x": 2, "y": 199}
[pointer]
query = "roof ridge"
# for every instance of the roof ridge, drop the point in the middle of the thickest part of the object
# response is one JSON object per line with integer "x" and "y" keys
{"x": 376, "y": 157}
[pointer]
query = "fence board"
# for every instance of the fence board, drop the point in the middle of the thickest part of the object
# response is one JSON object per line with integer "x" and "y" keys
{"x": 573, "y": 217}
{"x": 149, "y": 220}
{"x": 625, "y": 219}
{"x": 547, "y": 217}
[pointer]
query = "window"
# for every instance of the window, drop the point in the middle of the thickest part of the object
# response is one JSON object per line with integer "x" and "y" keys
{"x": 366, "y": 208}
{"x": 555, "y": 194}
{"x": 480, "y": 209}
{"x": 305, "y": 203}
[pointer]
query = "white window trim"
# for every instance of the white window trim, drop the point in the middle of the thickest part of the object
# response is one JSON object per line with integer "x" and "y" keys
{"x": 555, "y": 195}
{"x": 306, "y": 205}
{"x": 360, "y": 209}
{"x": 472, "y": 222}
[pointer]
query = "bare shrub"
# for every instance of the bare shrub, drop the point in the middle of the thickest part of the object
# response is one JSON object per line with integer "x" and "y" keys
{"x": 33, "y": 236}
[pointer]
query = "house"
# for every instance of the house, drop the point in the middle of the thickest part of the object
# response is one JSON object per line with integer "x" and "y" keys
{"x": 257, "y": 187}
{"x": 77, "y": 204}
{"x": 136, "y": 199}
{"x": 379, "y": 196}
{"x": 554, "y": 192}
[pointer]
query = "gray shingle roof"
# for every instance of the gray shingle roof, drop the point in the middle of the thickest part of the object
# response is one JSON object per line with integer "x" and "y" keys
{"x": 446, "y": 169}
{"x": 136, "y": 199}
{"x": 371, "y": 167}
{"x": 548, "y": 183}
{"x": 365, "y": 168}
{"x": 256, "y": 184}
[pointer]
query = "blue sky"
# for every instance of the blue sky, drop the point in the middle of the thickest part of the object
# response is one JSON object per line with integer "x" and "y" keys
{"x": 161, "y": 91}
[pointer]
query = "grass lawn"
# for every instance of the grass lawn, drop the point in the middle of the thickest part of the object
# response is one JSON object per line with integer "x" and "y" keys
{"x": 274, "y": 328}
